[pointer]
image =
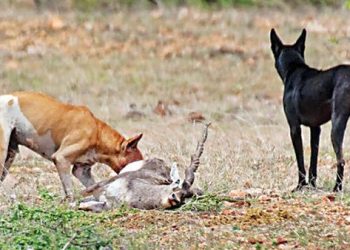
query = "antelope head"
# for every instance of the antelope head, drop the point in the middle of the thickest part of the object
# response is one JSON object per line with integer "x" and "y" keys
{"x": 181, "y": 191}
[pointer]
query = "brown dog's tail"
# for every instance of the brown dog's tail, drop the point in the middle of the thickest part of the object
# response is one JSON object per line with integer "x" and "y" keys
{"x": 97, "y": 187}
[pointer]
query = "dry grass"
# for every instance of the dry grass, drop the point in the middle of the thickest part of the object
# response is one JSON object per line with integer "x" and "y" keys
{"x": 217, "y": 63}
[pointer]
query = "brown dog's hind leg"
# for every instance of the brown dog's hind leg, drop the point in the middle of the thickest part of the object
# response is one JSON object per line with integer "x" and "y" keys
{"x": 4, "y": 145}
{"x": 11, "y": 154}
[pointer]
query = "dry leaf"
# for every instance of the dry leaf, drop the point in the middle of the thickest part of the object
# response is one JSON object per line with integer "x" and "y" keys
{"x": 328, "y": 198}
{"x": 238, "y": 194}
{"x": 248, "y": 184}
{"x": 228, "y": 212}
{"x": 255, "y": 240}
{"x": 56, "y": 23}
{"x": 162, "y": 109}
{"x": 264, "y": 198}
{"x": 280, "y": 240}
{"x": 195, "y": 117}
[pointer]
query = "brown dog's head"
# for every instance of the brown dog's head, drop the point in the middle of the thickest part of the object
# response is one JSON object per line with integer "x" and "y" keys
{"x": 128, "y": 153}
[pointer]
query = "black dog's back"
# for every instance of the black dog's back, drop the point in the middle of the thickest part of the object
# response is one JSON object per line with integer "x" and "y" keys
{"x": 315, "y": 93}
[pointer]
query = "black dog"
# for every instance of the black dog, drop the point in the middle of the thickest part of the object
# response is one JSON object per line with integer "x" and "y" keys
{"x": 312, "y": 97}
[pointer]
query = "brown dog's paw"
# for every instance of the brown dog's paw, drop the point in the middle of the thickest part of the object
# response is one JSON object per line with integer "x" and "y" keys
{"x": 67, "y": 199}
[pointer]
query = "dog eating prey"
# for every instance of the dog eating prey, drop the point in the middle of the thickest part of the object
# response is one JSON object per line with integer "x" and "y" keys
{"x": 62, "y": 133}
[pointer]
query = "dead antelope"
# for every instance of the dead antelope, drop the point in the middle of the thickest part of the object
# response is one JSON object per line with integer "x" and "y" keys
{"x": 63, "y": 133}
{"x": 147, "y": 184}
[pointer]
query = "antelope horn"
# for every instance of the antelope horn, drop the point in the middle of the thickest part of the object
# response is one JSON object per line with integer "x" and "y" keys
{"x": 189, "y": 173}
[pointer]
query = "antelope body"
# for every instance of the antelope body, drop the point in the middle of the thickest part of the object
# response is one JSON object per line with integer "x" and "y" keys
{"x": 65, "y": 134}
{"x": 147, "y": 184}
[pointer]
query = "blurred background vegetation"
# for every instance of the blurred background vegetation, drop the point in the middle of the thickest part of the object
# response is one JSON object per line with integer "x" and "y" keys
{"x": 115, "y": 5}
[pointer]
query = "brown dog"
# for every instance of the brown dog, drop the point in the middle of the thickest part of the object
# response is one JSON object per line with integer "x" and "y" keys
{"x": 63, "y": 133}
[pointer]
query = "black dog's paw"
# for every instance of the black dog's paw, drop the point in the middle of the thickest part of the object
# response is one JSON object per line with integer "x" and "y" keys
{"x": 312, "y": 183}
{"x": 300, "y": 187}
{"x": 338, "y": 188}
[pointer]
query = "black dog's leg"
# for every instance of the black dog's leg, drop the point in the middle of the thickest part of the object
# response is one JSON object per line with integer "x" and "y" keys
{"x": 315, "y": 139}
{"x": 338, "y": 129}
{"x": 295, "y": 133}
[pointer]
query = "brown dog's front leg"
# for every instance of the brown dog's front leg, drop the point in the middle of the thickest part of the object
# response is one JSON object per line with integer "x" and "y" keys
{"x": 63, "y": 169}
{"x": 63, "y": 158}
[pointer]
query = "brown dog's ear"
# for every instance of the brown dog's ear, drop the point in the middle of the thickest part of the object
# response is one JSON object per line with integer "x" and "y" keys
{"x": 300, "y": 43}
{"x": 276, "y": 44}
{"x": 132, "y": 142}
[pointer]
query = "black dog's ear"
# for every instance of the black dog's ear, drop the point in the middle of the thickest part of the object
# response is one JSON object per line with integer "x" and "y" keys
{"x": 300, "y": 43}
{"x": 276, "y": 44}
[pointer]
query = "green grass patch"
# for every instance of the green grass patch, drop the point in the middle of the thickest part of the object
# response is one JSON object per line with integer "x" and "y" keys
{"x": 53, "y": 226}
{"x": 206, "y": 202}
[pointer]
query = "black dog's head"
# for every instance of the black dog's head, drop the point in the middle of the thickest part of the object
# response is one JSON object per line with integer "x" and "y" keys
{"x": 287, "y": 56}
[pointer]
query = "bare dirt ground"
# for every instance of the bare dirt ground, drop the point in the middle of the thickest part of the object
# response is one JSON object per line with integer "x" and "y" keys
{"x": 216, "y": 63}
